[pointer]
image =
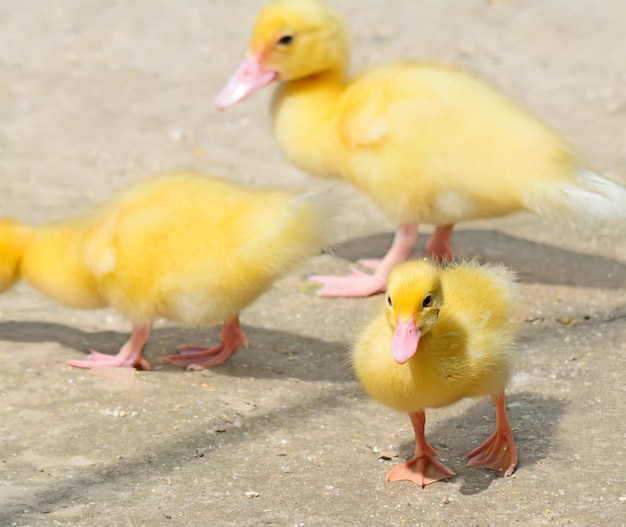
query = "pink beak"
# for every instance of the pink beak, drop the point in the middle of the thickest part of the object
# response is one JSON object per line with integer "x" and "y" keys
{"x": 246, "y": 80}
{"x": 405, "y": 340}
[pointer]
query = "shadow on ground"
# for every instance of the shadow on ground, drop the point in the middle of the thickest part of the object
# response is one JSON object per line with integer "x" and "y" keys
{"x": 533, "y": 417}
{"x": 261, "y": 356}
{"x": 534, "y": 262}
{"x": 534, "y": 420}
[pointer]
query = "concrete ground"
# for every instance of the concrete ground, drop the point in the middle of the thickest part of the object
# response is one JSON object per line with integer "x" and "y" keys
{"x": 97, "y": 94}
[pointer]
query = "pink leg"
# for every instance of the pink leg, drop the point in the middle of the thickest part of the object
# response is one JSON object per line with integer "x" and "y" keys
{"x": 360, "y": 284}
{"x": 439, "y": 247}
{"x": 128, "y": 357}
{"x": 498, "y": 452}
{"x": 423, "y": 469}
{"x": 200, "y": 357}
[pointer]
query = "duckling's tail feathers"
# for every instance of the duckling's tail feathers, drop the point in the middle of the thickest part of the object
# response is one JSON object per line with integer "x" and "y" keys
{"x": 589, "y": 201}
{"x": 300, "y": 231}
{"x": 320, "y": 206}
{"x": 312, "y": 214}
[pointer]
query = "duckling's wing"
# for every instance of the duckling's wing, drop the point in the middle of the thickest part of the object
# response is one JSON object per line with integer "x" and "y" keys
{"x": 369, "y": 107}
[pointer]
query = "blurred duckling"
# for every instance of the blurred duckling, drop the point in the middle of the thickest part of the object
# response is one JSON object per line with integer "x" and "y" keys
{"x": 444, "y": 334}
{"x": 186, "y": 247}
{"x": 427, "y": 143}
{"x": 13, "y": 237}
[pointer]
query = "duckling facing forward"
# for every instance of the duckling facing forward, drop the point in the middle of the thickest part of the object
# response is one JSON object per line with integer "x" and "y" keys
{"x": 427, "y": 143}
{"x": 186, "y": 247}
{"x": 443, "y": 335}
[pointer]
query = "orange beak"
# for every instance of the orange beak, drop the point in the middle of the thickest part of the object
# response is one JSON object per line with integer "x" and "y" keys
{"x": 246, "y": 80}
{"x": 405, "y": 339}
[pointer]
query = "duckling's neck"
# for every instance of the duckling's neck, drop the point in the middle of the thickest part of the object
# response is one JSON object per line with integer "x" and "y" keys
{"x": 304, "y": 121}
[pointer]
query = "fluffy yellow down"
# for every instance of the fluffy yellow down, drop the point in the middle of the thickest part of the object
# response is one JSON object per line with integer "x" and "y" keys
{"x": 465, "y": 354}
{"x": 186, "y": 247}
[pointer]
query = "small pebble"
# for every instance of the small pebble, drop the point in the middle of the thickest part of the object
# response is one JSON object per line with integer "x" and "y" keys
{"x": 388, "y": 454}
{"x": 117, "y": 412}
{"x": 176, "y": 135}
{"x": 467, "y": 50}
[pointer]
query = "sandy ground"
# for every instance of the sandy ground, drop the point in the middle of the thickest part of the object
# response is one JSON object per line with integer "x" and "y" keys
{"x": 96, "y": 94}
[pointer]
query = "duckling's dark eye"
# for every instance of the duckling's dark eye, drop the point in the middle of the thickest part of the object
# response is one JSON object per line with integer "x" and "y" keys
{"x": 285, "y": 40}
{"x": 428, "y": 300}
{"x": 389, "y": 303}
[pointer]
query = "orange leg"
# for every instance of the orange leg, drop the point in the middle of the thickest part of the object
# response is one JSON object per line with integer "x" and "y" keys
{"x": 128, "y": 357}
{"x": 200, "y": 357}
{"x": 423, "y": 469}
{"x": 439, "y": 247}
{"x": 498, "y": 452}
{"x": 360, "y": 284}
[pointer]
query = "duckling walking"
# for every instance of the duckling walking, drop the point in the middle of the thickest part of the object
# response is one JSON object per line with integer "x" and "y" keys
{"x": 186, "y": 247}
{"x": 444, "y": 334}
{"x": 428, "y": 144}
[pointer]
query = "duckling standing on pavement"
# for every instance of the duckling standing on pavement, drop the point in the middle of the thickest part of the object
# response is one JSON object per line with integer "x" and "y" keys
{"x": 427, "y": 143}
{"x": 186, "y": 247}
{"x": 444, "y": 334}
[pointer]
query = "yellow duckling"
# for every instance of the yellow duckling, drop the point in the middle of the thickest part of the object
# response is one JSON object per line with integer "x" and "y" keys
{"x": 443, "y": 335}
{"x": 426, "y": 143}
{"x": 186, "y": 247}
{"x": 12, "y": 242}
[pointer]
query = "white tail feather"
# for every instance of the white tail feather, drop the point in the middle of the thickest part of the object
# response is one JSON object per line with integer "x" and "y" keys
{"x": 584, "y": 203}
{"x": 327, "y": 197}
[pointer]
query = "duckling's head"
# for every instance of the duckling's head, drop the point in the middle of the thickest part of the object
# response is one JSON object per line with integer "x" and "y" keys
{"x": 13, "y": 238}
{"x": 292, "y": 39}
{"x": 414, "y": 298}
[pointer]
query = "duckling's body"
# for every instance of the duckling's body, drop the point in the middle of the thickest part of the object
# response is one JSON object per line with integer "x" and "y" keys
{"x": 445, "y": 334}
{"x": 185, "y": 247}
{"x": 424, "y": 142}
{"x": 466, "y": 354}
{"x": 427, "y": 143}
